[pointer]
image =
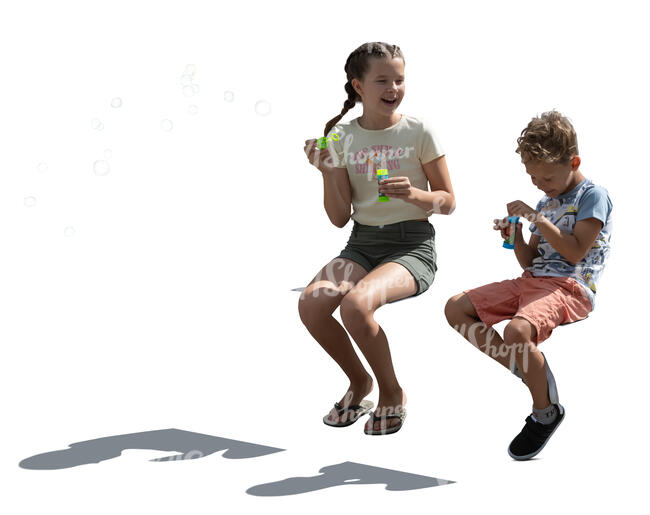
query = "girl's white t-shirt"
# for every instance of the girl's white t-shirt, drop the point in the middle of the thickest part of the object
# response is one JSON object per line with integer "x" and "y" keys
{"x": 401, "y": 149}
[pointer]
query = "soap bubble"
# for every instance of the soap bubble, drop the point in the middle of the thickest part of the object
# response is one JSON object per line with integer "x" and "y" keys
{"x": 69, "y": 231}
{"x": 190, "y": 69}
{"x": 166, "y": 125}
{"x": 30, "y": 201}
{"x": 188, "y": 90}
{"x": 101, "y": 167}
{"x": 228, "y": 96}
{"x": 42, "y": 167}
{"x": 195, "y": 88}
{"x": 263, "y": 108}
{"x": 96, "y": 124}
{"x": 192, "y": 109}
{"x": 116, "y": 102}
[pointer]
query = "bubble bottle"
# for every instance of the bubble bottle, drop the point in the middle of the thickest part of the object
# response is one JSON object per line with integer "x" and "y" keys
{"x": 510, "y": 242}
{"x": 382, "y": 173}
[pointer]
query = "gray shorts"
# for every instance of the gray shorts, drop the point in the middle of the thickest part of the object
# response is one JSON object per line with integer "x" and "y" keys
{"x": 410, "y": 243}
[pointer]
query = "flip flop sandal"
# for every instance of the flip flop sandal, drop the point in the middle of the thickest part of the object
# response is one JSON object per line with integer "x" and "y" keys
{"x": 357, "y": 411}
{"x": 387, "y": 430}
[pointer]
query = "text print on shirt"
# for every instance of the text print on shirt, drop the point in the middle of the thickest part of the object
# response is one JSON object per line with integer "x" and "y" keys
{"x": 383, "y": 156}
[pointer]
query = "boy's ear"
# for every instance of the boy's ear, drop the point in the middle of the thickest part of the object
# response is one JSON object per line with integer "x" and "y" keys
{"x": 575, "y": 163}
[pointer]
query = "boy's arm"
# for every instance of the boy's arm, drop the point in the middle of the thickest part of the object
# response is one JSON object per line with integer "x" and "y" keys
{"x": 526, "y": 252}
{"x": 593, "y": 211}
{"x": 572, "y": 247}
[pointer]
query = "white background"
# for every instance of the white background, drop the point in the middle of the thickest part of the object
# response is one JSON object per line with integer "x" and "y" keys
{"x": 167, "y": 304}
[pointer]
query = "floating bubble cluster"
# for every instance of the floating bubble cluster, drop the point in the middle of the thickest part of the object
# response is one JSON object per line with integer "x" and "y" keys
{"x": 189, "y": 88}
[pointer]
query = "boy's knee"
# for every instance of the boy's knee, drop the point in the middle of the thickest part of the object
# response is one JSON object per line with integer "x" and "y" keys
{"x": 519, "y": 330}
{"x": 452, "y": 309}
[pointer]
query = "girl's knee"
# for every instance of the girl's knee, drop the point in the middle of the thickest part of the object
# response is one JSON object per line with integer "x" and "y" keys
{"x": 355, "y": 310}
{"x": 315, "y": 304}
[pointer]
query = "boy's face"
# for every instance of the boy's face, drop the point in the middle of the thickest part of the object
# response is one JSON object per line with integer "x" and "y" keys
{"x": 553, "y": 178}
{"x": 385, "y": 79}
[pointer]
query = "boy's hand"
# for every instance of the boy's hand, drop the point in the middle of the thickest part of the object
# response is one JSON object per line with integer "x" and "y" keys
{"x": 519, "y": 208}
{"x": 321, "y": 159}
{"x": 397, "y": 187}
{"x": 504, "y": 226}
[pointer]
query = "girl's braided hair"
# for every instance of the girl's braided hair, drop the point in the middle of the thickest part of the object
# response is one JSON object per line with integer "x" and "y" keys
{"x": 356, "y": 67}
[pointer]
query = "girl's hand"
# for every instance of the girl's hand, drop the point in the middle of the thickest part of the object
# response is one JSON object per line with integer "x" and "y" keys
{"x": 321, "y": 159}
{"x": 397, "y": 187}
{"x": 504, "y": 226}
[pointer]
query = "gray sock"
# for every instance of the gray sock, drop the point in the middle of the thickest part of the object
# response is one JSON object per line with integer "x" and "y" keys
{"x": 546, "y": 415}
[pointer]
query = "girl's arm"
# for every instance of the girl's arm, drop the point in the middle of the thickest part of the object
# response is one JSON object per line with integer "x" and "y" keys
{"x": 440, "y": 199}
{"x": 337, "y": 195}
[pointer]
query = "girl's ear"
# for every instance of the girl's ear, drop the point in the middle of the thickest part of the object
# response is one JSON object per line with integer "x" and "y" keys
{"x": 356, "y": 85}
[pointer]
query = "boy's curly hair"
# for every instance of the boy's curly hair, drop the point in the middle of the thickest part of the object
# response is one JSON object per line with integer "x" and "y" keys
{"x": 356, "y": 67}
{"x": 549, "y": 138}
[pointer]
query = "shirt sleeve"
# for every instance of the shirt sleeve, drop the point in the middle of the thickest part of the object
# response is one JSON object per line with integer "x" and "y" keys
{"x": 594, "y": 203}
{"x": 335, "y": 147}
{"x": 532, "y": 227}
{"x": 428, "y": 146}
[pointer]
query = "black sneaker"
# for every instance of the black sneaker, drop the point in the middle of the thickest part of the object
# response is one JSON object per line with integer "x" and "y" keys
{"x": 533, "y": 436}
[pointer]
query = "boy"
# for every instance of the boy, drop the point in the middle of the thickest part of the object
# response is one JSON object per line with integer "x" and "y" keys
{"x": 566, "y": 253}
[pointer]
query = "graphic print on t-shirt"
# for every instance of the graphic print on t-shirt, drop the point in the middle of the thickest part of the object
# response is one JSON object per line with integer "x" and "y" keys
{"x": 586, "y": 200}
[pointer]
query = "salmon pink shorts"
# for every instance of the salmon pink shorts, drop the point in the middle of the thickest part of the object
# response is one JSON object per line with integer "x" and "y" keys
{"x": 546, "y": 302}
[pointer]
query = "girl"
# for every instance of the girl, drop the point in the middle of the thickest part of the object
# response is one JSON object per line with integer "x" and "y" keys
{"x": 390, "y": 254}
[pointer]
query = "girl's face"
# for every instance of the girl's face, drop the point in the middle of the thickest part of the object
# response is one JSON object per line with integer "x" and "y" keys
{"x": 384, "y": 81}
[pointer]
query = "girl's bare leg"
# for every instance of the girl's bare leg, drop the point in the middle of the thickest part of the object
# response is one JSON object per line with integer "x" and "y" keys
{"x": 387, "y": 282}
{"x": 316, "y": 305}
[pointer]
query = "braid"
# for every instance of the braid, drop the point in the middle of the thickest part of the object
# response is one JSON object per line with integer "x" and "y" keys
{"x": 347, "y": 105}
{"x": 356, "y": 66}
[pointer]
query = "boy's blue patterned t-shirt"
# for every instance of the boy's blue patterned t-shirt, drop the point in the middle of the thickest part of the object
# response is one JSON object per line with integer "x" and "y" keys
{"x": 586, "y": 200}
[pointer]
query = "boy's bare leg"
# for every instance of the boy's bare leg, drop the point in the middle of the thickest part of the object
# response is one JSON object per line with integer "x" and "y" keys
{"x": 515, "y": 346}
{"x": 462, "y": 316}
{"x": 519, "y": 335}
